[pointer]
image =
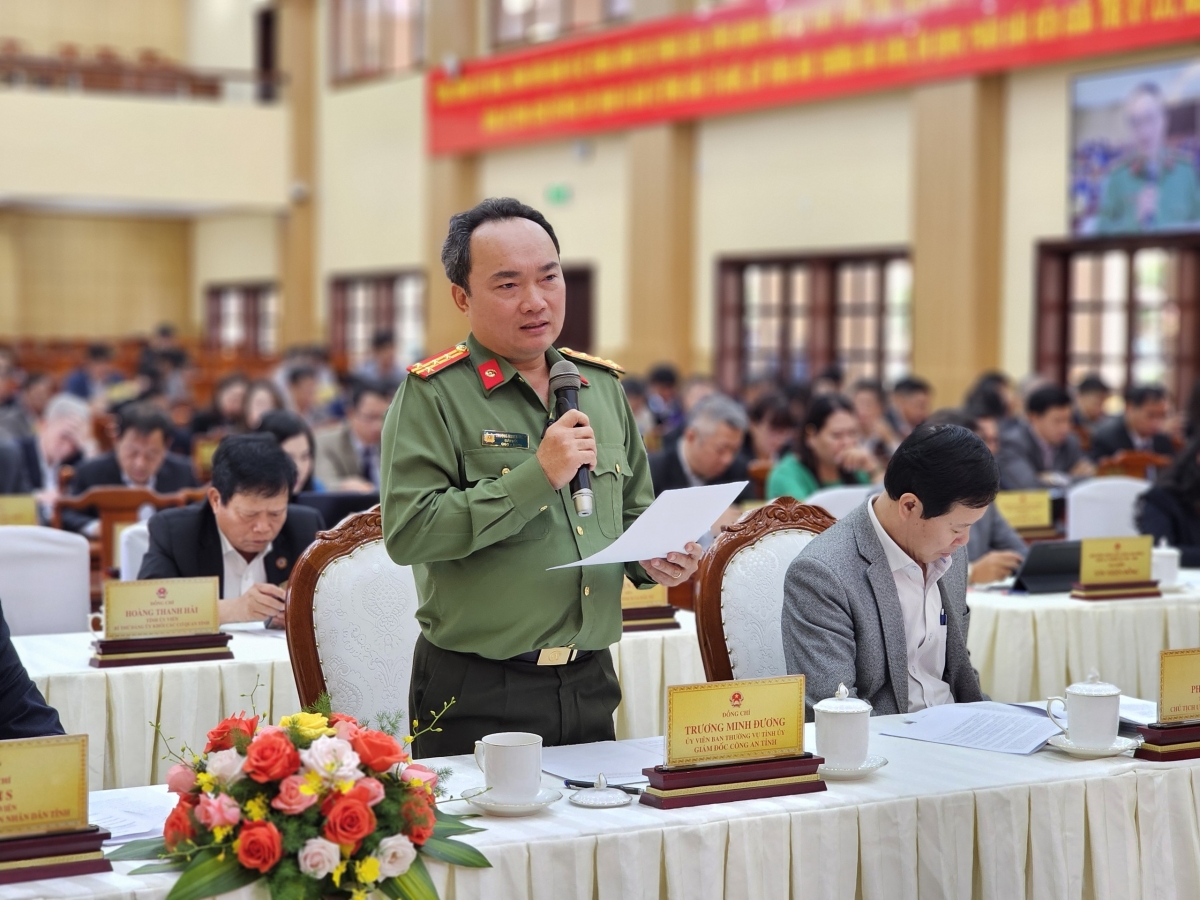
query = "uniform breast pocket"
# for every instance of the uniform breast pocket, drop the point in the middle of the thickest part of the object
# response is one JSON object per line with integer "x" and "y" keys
{"x": 608, "y": 483}
{"x": 490, "y": 464}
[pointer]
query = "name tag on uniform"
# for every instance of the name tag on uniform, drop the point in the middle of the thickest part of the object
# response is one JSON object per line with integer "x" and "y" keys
{"x": 506, "y": 440}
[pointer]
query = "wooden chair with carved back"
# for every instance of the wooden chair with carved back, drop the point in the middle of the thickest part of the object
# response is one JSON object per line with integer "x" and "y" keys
{"x": 351, "y": 621}
{"x": 117, "y": 507}
{"x": 1133, "y": 464}
{"x": 740, "y": 600}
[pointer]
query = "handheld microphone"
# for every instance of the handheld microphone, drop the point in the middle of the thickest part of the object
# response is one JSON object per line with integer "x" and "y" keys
{"x": 565, "y": 383}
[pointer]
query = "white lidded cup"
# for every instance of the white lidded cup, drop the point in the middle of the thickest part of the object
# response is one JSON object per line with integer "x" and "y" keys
{"x": 1164, "y": 564}
{"x": 511, "y": 762}
{"x": 843, "y": 730}
{"x": 1093, "y": 713}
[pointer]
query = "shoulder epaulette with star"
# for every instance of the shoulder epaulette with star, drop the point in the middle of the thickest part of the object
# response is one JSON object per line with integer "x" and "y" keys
{"x": 594, "y": 360}
{"x": 434, "y": 364}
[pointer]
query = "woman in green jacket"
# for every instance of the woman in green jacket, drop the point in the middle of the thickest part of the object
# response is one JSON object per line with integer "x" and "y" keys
{"x": 828, "y": 453}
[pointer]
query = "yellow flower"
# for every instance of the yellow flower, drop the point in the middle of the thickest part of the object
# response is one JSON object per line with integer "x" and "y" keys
{"x": 344, "y": 787}
{"x": 358, "y": 894}
{"x": 367, "y": 870}
{"x": 221, "y": 832}
{"x": 312, "y": 784}
{"x": 310, "y": 725}
{"x": 256, "y": 808}
{"x": 338, "y": 873}
{"x": 206, "y": 782}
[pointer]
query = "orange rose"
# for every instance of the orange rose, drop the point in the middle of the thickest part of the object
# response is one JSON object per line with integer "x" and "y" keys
{"x": 259, "y": 846}
{"x": 418, "y": 816}
{"x": 378, "y": 751}
{"x": 349, "y": 822}
{"x": 179, "y": 827}
{"x": 271, "y": 757}
{"x": 222, "y": 737}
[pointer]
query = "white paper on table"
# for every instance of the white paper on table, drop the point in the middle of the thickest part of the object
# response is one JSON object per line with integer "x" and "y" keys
{"x": 131, "y": 813}
{"x": 963, "y": 725}
{"x": 620, "y": 761}
{"x": 674, "y": 518}
{"x": 1134, "y": 711}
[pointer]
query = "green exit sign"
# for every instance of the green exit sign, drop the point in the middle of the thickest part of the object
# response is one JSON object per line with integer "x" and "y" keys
{"x": 559, "y": 194}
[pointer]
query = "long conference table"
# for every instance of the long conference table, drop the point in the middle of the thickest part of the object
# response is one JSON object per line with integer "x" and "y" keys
{"x": 116, "y": 707}
{"x": 936, "y": 822}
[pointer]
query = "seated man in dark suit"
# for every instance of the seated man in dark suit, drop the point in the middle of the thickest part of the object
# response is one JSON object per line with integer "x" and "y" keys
{"x": 1041, "y": 451}
{"x": 1140, "y": 428}
{"x": 139, "y": 459}
{"x": 245, "y": 533}
{"x": 878, "y": 601}
{"x": 13, "y": 479}
{"x": 23, "y": 711}
{"x": 709, "y": 452}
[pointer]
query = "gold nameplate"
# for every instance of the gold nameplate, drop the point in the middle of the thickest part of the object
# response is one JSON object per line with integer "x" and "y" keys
{"x": 1025, "y": 510}
{"x": 730, "y": 721}
{"x": 633, "y": 597}
{"x": 18, "y": 509}
{"x": 43, "y": 785}
{"x": 166, "y": 607}
{"x": 1178, "y": 686}
{"x": 1114, "y": 560}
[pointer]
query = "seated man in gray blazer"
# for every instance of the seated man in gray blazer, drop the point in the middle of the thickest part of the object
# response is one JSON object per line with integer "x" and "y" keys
{"x": 878, "y": 601}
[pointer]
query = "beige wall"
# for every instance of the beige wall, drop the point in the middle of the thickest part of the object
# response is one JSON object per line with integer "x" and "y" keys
{"x": 83, "y": 276}
{"x": 592, "y": 227}
{"x": 127, "y": 26}
{"x": 221, "y": 33}
{"x": 231, "y": 250}
{"x": 827, "y": 175}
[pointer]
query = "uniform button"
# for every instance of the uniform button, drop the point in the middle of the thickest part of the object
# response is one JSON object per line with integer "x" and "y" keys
{"x": 579, "y": 529}
{"x": 543, "y": 509}
{"x": 587, "y": 592}
{"x": 618, "y": 468}
{"x": 505, "y": 470}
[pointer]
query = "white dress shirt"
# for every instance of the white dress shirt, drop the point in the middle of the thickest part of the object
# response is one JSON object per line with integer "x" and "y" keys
{"x": 240, "y": 575}
{"x": 924, "y": 620}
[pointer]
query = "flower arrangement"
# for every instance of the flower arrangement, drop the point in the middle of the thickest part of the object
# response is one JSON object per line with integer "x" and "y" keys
{"x": 320, "y": 806}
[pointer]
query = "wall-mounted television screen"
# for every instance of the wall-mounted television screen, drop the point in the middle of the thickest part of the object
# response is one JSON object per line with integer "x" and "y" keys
{"x": 1135, "y": 150}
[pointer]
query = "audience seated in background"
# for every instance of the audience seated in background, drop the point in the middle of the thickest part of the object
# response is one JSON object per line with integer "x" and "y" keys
{"x": 245, "y": 533}
{"x": 302, "y": 395}
{"x": 912, "y": 399}
{"x": 828, "y": 381}
{"x": 869, "y": 400}
{"x": 771, "y": 427}
{"x": 995, "y": 550}
{"x": 13, "y": 479}
{"x": 1141, "y": 427}
{"x": 662, "y": 386}
{"x": 261, "y": 396}
{"x": 694, "y": 390}
{"x": 20, "y": 419}
{"x": 225, "y": 414}
{"x": 1170, "y": 511}
{"x": 878, "y": 601}
{"x": 64, "y": 438}
{"x": 635, "y": 393}
{"x": 827, "y": 453}
{"x": 296, "y": 438}
{"x": 348, "y": 456}
{"x": 992, "y": 397}
{"x": 24, "y": 713}
{"x": 708, "y": 452}
{"x": 381, "y": 365}
{"x": 92, "y": 380}
{"x": 1041, "y": 451}
{"x": 139, "y": 459}
{"x": 1091, "y": 394}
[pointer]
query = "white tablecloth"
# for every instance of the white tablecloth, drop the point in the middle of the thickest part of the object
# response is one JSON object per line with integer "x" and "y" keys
{"x": 936, "y": 822}
{"x": 1031, "y": 646}
{"x": 115, "y": 707}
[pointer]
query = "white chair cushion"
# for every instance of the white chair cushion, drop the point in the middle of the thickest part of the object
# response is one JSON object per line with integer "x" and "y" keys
{"x": 364, "y": 615}
{"x": 45, "y": 580}
{"x": 135, "y": 541}
{"x": 752, "y": 603}
{"x": 1104, "y": 507}
{"x": 842, "y": 500}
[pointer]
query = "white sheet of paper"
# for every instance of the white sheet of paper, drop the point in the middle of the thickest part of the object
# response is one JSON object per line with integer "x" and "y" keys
{"x": 620, "y": 761}
{"x": 672, "y": 520}
{"x": 963, "y": 725}
{"x": 1134, "y": 711}
{"x": 131, "y": 813}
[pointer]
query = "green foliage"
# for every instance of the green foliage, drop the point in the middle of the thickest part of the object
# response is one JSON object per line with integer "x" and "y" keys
{"x": 322, "y": 706}
{"x": 212, "y": 876}
{"x": 389, "y": 723}
{"x": 174, "y": 865}
{"x": 449, "y": 826}
{"x": 147, "y": 848}
{"x": 456, "y": 853}
{"x": 296, "y": 830}
{"x": 415, "y": 884}
{"x": 286, "y": 882}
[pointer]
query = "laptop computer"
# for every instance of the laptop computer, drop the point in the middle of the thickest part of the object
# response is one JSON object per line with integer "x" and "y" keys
{"x": 1051, "y": 567}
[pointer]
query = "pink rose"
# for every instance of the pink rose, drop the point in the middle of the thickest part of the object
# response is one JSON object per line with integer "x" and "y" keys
{"x": 215, "y": 812}
{"x": 418, "y": 773}
{"x": 181, "y": 779}
{"x": 319, "y": 857}
{"x": 289, "y": 799}
{"x": 395, "y": 855}
{"x": 368, "y": 790}
{"x": 270, "y": 729}
{"x": 347, "y": 729}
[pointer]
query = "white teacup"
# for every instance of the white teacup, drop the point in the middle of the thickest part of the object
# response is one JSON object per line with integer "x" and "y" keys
{"x": 843, "y": 730}
{"x": 1164, "y": 565}
{"x": 1093, "y": 714}
{"x": 511, "y": 762}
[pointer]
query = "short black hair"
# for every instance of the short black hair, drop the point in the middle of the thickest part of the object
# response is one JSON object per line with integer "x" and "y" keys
{"x": 99, "y": 353}
{"x": 951, "y": 415}
{"x": 383, "y": 338}
{"x": 869, "y": 386}
{"x": 252, "y": 464}
{"x": 911, "y": 384}
{"x": 1045, "y": 398}
{"x": 943, "y": 465}
{"x": 1093, "y": 384}
{"x": 1139, "y": 395}
{"x": 664, "y": 374}
{"x": 364, "y": 386}
{"x": 144, "y": 418}
{"x": 299, "y": 373}
{"x": 456, "y": 249}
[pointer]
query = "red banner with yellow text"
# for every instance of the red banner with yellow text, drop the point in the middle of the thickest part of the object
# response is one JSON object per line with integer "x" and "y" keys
{"x": 750, "y": 57}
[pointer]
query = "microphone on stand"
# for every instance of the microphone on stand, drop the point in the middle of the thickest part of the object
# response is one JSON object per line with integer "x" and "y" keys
{"x": 565, "y": 383}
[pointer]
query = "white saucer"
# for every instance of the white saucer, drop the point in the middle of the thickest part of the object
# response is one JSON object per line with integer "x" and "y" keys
{"x": 601, "y": 798}
{"x": 478, "y": 798}
{"x": 831, "y": 774}
{"x": 1121, "y": 745}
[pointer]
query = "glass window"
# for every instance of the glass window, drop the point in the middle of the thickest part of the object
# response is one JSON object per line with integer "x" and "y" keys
{"x": 242, "y": 318}
{"x": 366, "y": 305}
{"x": 532, "y": 21}
{"x": 375, "y": 38}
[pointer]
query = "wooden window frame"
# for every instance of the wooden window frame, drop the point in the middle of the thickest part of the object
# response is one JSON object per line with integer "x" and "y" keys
{"x": 363, "y": 75}
{"x": 384, "y": 302}
{"x": 567, "y": 14}
{"x": 730, "y": 352}
{"x": 1052, "y": 302}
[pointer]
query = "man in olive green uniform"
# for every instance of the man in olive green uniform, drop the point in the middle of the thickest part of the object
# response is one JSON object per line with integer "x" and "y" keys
{"x": 1153, "y": 187}
{"x": 475, "y": 496}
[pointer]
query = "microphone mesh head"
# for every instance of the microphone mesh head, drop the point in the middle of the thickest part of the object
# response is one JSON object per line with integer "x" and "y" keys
{"x": 564, "y": 375}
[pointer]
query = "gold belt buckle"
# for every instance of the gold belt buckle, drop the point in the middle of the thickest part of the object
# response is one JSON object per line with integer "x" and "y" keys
{"x": 556, "y": 656}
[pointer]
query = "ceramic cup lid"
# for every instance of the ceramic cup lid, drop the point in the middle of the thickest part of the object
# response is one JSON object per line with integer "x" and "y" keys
{"x": 1094, "y": 687}
{"x": 842, "y": 702}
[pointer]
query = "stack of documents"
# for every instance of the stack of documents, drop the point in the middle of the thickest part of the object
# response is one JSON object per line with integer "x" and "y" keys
{"x": 980, "y": 726}
{"x": 131, "y": 813}
{"x": 620, "y": 761}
